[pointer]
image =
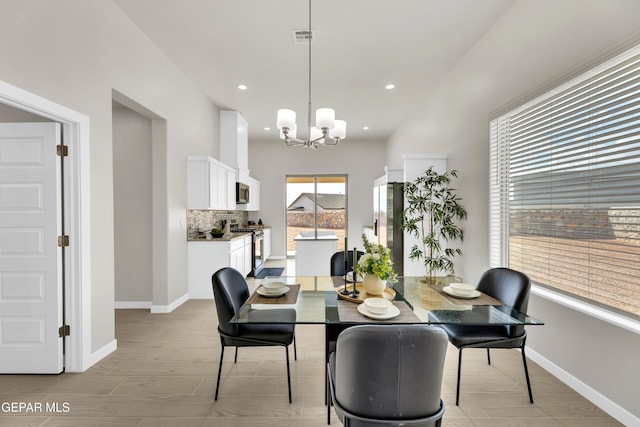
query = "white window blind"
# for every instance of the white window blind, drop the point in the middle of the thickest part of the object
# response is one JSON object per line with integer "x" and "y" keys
{"x": 565, "y": 186}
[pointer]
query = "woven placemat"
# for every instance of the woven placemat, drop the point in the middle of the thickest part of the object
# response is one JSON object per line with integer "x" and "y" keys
{"x": 483, "y": 299}
{"x": 289, "y": 298}
{"x": 348, "y": 312}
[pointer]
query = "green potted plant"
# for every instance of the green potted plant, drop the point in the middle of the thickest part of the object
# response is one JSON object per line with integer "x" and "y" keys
{"x": 432, "y": 215}
{"x": 376, "y": 266}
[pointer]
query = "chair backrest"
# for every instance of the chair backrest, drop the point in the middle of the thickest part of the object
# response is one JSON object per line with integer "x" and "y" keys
{"x": 337, "y": 262}
{"x": 509, "y": 286}
{"x": 230, "y": 291}
{"x": 390, "y": 371}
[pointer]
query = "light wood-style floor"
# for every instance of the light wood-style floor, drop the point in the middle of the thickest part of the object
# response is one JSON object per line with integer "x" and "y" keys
{"x": 164, "y": 374}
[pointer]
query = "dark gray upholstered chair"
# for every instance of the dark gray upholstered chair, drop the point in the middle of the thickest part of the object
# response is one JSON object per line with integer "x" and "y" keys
{"x": 230, "y": 291}
{"x": 337, "y": 262}
{"x": 387, "y": 375}
{"x": 512, "y": 289}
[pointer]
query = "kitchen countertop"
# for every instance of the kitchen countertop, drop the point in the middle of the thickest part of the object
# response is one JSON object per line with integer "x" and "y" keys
{"x": 226, "y": 238}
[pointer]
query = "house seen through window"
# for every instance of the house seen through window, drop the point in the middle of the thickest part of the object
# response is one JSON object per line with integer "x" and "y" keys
{"x": 316, "y": 207}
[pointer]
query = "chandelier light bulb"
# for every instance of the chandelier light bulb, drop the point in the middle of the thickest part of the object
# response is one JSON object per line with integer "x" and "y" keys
{"x": 339, "y": 130}
{"x": 286, "y": 119}
{"x": 325, "y": 118}
{"x": 314, "y": 133}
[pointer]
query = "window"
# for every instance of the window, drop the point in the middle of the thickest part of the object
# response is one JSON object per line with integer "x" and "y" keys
{"x": 316, "y": 207}
{"x": 565, "y": 186}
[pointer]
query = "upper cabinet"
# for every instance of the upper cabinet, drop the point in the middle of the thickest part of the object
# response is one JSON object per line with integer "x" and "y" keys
{"x": 210, "y": 184}
{"x": 234, "y": 151}
{"x": 234, "y": 141}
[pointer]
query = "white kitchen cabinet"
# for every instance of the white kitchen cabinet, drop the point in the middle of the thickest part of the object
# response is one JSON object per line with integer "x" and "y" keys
{"x": 234, "y": 140}
{"x": 254, "y": 195}
{"x": 209, "y": 185}
{"x": 205, "y": 257}
{"x": 231, "y": 189}
{"x": 248, "y": 255}
{"x": 237, "y": 255}
{"x": 266, "y": 243}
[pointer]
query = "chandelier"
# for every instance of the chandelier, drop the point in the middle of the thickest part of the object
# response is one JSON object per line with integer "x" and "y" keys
{"x": 327, "y": 131}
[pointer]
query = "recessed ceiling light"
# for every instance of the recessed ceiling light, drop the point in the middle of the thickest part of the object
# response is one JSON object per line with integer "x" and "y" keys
{"x": 365, "y": 128}
{"x": 242, "y": 87}
{"x": 267, "y": 128}
{"x": 390, "y": 86}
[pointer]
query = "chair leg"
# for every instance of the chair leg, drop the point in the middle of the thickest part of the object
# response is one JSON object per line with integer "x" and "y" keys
{"x": 219, "y": 372}
{"x": 327, "y": 397}
{"x": 488, "y": 357}
{"x": 458, "y": 382}
{"x": 526, "y": 373}
{"x": 235, "y": 358}
{"x": 295, "y": 349}
{"x": 286, "y": 351}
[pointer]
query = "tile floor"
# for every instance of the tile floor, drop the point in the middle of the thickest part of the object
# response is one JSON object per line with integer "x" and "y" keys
{"x": 164, "y": 372}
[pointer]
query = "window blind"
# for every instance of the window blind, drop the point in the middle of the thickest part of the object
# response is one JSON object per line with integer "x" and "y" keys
{"x": 565, "y": 187}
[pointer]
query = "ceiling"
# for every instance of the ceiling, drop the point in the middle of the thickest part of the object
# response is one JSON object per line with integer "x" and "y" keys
{"x": 360, "y": 46}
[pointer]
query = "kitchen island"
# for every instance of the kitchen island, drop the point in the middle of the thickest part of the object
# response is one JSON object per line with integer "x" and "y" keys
{"x": 314, "y": 251}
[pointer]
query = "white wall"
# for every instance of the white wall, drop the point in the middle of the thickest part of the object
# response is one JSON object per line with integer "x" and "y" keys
{"x": 9, "y": 114}
{"x": 132, "y": 201}
{"x": 74, "y": 53}
{"x": 271, "y": 160}
{"x": 534, "y": 44}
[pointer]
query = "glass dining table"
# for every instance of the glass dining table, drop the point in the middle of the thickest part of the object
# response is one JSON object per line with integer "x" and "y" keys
{"x": 319, "y": 300}
{"x": 327, "y": 300}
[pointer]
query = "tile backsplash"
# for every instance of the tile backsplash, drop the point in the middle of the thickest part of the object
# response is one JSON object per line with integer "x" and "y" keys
{"x": 205, "y": 220}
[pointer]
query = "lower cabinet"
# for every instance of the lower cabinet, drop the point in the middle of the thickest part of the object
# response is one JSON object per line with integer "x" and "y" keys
{"x": 266, "y": 243}
{"x": 208, "y": 256}
{"x": 240, "y": 255}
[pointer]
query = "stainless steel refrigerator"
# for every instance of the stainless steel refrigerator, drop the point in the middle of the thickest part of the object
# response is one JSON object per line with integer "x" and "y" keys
{"x": 388, "y": 203}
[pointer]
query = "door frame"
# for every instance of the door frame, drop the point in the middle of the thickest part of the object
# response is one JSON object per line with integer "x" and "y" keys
{"x": 78, "y": 356}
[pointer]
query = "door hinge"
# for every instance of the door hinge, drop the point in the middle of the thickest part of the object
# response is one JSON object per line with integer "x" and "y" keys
{"x": 63, "y": 241}
{"x": 62, "y": 150}
{"x": 64, "y": 331}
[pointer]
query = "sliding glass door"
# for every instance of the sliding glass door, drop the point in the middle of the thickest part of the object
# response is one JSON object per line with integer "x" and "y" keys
{"x": 316, "y": 207}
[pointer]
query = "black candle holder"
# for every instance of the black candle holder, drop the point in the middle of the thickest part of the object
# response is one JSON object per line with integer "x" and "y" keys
{"x": 355, "y": 292}
{"x": 345, "y": 291}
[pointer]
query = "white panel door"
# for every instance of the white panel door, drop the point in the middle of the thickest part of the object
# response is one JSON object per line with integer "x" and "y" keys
{"x": 30, "y": 260}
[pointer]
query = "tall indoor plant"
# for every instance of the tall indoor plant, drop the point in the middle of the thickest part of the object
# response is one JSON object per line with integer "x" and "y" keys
{"x": 432, "y": 215}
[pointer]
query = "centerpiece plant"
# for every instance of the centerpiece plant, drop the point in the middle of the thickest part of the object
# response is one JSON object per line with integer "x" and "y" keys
{"x": 432, "y": 215}
{"x": 376, "y": 266}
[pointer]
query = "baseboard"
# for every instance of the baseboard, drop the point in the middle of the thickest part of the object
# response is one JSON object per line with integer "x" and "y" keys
{"x": 595, "y": 397}
{"x": 131, "y": 304}
{"x": 277, "y": 257}
{"x": 106, "y": 350}
{"x": 169, "y": 308}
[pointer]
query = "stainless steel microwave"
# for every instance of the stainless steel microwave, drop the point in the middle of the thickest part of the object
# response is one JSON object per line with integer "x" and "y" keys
{"x": 242, "y": 193}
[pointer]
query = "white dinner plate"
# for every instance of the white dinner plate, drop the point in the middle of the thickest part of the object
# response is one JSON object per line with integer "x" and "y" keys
{"x": 392, "y": 312}
{"x": 350, "y": 277}
{"x": 280, "y": 292}
{"x": 448, "y": 290}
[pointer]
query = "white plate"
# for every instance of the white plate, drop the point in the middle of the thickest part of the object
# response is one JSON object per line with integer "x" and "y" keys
{"x": 350, "y": 277}
{"x": 448, "y": 290}
{"x": 274, "y": 285}
{"x": 265, "y": 293}
{"x": 391, "y": 313}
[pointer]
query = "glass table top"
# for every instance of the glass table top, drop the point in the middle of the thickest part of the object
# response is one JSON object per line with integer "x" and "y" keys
{"x": 317, "y": 302}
